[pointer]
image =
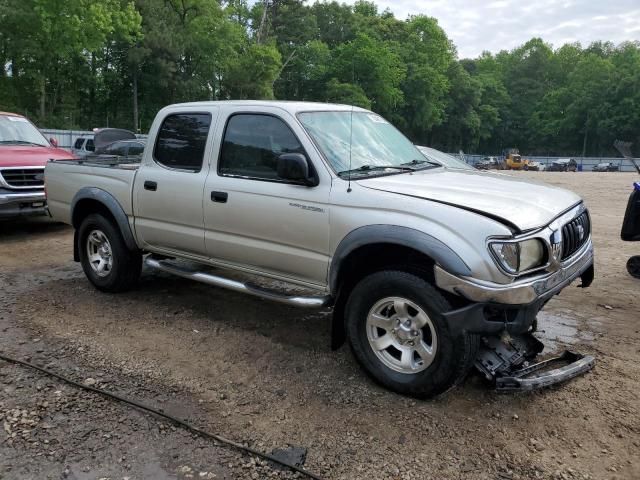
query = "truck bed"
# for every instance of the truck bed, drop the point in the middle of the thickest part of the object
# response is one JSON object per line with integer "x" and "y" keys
{"x": 65, "y": 178}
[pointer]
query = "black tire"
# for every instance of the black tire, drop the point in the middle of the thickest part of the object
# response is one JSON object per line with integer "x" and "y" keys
{"x": 633, "y": 266}
{"x": 126, "y": 264}
{"x": 453, "y": 357}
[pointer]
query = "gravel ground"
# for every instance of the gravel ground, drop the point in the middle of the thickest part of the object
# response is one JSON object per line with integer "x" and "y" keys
{"x": 263, "y": 374}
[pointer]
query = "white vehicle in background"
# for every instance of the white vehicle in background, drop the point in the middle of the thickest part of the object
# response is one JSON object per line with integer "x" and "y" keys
{"x": 102, "y": 137}
{"x": 83, "y": 146}
{"x": 536, "y": 166}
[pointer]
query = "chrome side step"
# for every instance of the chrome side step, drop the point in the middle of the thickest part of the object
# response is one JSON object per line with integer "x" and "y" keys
{"x": 255, "y": 290}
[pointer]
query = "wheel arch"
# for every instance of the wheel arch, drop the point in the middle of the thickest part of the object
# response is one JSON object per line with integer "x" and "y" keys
{"x": 89, "y": 200}
{"x": 376, "y": 247}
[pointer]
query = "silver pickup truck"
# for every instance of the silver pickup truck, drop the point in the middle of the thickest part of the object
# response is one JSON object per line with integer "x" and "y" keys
{"x": 430, "y": 270}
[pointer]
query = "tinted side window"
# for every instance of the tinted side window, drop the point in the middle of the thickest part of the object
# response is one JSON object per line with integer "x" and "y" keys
{"x": 78, "y": 144}
{"x": 181, "y": 141}
{"x": 90, "y": 146}
{"x": 252, "y": 144}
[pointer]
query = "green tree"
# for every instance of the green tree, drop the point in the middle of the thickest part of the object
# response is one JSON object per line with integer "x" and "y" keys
{"x": 375, "y": 67}
{"x": 48, "y": 39}
{"x": 347, "y": 93}
{"x": 427, "y": 54}
{"x": 252, "y": 73}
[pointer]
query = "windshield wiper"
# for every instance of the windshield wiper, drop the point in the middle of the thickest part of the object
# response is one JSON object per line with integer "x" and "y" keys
{"x": 421, "y": 162}
{"x": 373, "y": 168}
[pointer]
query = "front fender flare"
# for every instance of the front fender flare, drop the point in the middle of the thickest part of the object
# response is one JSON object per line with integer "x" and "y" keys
{"x": 422, "y": 242}
{"x": 387, "y": 234}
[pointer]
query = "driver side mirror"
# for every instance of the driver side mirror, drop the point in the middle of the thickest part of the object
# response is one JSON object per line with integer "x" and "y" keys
{"x": 295, "y": 168}
{"x": 53, "y": 142}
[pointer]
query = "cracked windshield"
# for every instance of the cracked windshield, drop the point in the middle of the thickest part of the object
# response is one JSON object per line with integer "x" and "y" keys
{"x": 375, "y": 143}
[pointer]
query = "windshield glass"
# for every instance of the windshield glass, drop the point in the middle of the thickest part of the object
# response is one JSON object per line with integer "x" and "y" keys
{"x": 374, "y": 141}
{"x": 444, "y": 159}
{"x": 18, "y": 130}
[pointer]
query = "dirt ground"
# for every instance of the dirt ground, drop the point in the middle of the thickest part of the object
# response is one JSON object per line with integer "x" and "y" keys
{"x": 264, "y": 374}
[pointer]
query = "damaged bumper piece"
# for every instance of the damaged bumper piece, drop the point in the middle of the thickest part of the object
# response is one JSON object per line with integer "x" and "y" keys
{"x": 536, "y": 376}
{"x": 508, "y": 363}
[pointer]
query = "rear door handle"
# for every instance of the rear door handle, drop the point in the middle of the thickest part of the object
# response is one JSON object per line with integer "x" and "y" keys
{"x": 149, "y": 185}
{"x": 220, "y": 197}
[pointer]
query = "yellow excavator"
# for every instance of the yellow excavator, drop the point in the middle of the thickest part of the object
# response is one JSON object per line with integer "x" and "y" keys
{"x": 513, "y": 160}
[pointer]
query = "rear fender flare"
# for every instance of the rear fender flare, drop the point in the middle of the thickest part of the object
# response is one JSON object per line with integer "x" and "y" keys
{"x": 111, "y": 204}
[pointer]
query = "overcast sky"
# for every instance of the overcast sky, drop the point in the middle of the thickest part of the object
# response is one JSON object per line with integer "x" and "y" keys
{"x": 495, "y": 25}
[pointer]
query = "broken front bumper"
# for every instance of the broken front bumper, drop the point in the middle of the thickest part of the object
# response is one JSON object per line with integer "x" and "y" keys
{"x": 494, "y": 308}
{"x": 522, "y": 292}
{"x": 505, "y": 316}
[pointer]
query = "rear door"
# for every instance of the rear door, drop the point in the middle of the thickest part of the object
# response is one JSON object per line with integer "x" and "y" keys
{"x": 169, "y": 185}
{"x": 253, "y": 219}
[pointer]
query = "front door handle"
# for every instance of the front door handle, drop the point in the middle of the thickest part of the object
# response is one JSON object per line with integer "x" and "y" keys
{"x": 149, "y": 185}
{"x": 220, "y": 197}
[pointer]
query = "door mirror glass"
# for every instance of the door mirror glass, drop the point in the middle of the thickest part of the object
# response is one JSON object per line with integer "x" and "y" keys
{"x": 294, "y": 167}
{"x": 53, "y": 142}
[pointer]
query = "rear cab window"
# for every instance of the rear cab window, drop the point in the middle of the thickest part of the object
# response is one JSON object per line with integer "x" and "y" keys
{"x": 181, "y": 141}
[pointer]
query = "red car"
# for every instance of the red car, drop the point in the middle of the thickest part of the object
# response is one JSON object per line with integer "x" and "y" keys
{"x": 24, "y": 152}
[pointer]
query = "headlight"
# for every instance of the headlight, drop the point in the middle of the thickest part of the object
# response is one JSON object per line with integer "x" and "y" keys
{"x": 516, "y": 257}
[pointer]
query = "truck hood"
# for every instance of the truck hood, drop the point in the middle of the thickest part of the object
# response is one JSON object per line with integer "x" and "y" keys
{"x": 29, "y": 156}
{"x": 520, "y": 203}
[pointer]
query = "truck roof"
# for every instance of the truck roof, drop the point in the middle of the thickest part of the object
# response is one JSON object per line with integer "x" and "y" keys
{"x": 11, "y": 114}
{"x": 290, "y": 106}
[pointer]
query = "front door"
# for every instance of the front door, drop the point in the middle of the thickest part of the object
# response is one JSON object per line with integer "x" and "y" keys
{"x": 254, "y": 219}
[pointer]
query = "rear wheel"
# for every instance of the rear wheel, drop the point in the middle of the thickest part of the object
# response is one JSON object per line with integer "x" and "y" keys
{"x": 398, "y": 334}
{"x": 107, "y": 262}
{"x": 633, "y": 266}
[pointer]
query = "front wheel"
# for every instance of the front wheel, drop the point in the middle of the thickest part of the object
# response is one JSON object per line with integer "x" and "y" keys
{"x": 107, "y": 262}
{"x": 633, "y": 266}
{"x": 398, "y": 333}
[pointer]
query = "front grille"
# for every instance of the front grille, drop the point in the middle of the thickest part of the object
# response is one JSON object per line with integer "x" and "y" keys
{"x": 23, "y": 177}
{"x": 575, "y": 234}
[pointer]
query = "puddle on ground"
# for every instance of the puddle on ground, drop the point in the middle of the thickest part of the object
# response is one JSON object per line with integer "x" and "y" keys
{"x": 559, "y": 330}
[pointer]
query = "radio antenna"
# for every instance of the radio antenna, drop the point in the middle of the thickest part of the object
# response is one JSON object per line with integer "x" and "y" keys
{"x": 350, "y": 143}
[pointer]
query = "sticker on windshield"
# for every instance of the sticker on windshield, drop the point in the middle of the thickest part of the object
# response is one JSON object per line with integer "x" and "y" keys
{"x": 376, "y": 118}
{"x": 17, "y": 119}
